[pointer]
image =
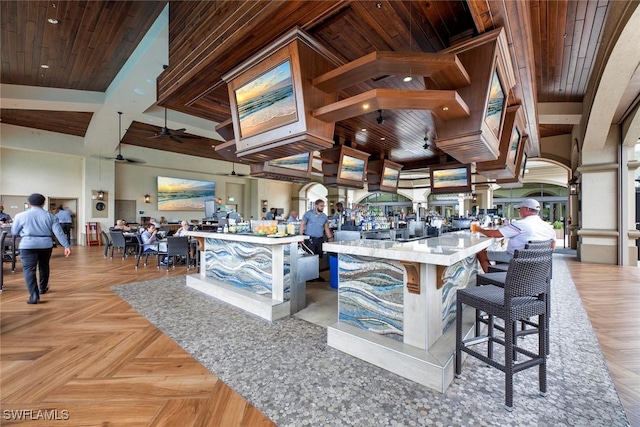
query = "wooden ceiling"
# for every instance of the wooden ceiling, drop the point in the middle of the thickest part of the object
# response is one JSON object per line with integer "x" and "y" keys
{"x": 554, "y": 44}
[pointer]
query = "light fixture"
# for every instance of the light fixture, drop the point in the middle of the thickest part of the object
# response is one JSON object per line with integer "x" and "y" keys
{"x": 45, "y": 66}
{"x": 52, "y": 21}
{"x": 265, "y": 203}
{"x": 147, "y": 198}
{"x": 100, "y": 195}
{"x": 574, "y": 187}
{"x": 231, "y": 199}
{"x": 380, "y": 119}
{"x": 408, "y": 78}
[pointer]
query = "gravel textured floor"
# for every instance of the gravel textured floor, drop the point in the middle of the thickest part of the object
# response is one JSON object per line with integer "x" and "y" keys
{"x": 286, "y": 369}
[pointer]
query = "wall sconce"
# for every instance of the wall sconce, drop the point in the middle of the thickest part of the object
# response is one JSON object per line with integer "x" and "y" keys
{"x": 100, "y": 195}
{"x": 574, "y": 187}
{"x": 265, "y": 203}
{"x": 474, "y": 197}
{"x": 147, "y": 198}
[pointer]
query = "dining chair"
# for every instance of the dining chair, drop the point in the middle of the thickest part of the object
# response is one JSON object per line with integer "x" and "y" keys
{"x": 2, "y": 239}
{"x": 142, "y": 252}
{"x": 107, "y": 242}
{"x": 177, "y": 248}
{"x": 118, "y": 241}
{"x": 524, "y": 296}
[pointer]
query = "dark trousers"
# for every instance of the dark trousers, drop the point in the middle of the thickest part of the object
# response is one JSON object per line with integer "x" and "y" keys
{"x": 32, "y": 260}
{"x": 66, "y": 227}
{"x": 315, "y": 244}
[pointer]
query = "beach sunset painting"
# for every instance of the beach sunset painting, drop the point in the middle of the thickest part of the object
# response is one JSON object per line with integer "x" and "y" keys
{"x": 352, "y": 168}
{"x": 298, "y": 162}
{"x": 513, "y": 146}
{"x": 390, "y": 177}
{"x": 450, "y": 178}
{"x": 267, "y": 101}
{"x": 495, "y": 105}
{"x": 175, "y": 194}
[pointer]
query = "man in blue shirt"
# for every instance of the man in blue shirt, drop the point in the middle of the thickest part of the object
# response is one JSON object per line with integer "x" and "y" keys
{"x": 271, "y": 215}
{"x": 315, "y": 224}
{"x": 4, "y": 217}
{"x": 64, "y": 217}
{"x": 35, "y": 227}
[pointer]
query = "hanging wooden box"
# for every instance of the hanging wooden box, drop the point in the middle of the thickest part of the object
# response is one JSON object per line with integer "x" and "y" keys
{"x": 383, "y": 175}
{"x": 271, "y": 98}
{"x": 476, "y": 138}
{"x": 512, "y": 143}
{"x": 344, "y": 167}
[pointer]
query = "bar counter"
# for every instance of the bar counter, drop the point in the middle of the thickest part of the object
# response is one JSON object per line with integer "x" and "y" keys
{"x": 396, "y": 302}
{"x": 259, "y": 274}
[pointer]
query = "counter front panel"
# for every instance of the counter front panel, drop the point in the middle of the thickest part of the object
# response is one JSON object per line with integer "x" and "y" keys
{"x": 371, "y": 294}
{"x": 245, "y": 265}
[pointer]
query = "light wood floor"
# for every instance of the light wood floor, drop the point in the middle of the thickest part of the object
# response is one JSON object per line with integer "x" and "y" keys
{"x": 611, "y": 296}
{"x": 85, "y": 351}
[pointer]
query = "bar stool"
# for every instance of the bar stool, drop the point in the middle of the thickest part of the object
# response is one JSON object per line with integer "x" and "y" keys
{"x": 523, "y": 296}
{"x": 499, "y": 278}
{"x": 532, "y": 244}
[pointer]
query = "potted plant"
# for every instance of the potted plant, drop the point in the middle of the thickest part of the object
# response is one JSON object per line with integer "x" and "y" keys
{"x": 558, "y": 226}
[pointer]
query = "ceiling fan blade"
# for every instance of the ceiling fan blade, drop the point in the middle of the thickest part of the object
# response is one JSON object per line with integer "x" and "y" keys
{"x": 175, "y": 138}
{"x": 180, "y": 130}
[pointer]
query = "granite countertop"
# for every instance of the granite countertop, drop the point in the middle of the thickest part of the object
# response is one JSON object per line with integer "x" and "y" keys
{"x": 443, "y": 250}
{"x": 249, "y": 238}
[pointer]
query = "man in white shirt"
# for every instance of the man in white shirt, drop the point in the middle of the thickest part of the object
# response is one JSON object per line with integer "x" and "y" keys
{"x": 529, "y": 228}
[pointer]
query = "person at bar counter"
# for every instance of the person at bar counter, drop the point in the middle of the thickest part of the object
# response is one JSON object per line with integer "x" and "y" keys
{"x": 271, "y": 215}
{"x": 35, "y": 227}
{"x": 529, "y": 228}
{"x": 315, "y": 224}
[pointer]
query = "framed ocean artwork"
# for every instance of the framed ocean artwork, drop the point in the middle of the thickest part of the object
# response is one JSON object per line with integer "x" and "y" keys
{"x": 177, "y": 194}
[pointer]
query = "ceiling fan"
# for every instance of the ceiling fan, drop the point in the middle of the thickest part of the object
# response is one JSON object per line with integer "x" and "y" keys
{"x": 175, "y": 135}
{"x": 120, "y": 157}
{"x": 233, "y": 172}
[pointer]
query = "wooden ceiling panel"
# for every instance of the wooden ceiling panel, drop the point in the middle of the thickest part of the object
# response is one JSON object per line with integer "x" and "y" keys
{"x": 84, "y": 51}
{"x": 67, "y": 122}
{"x": 94, "y": 39}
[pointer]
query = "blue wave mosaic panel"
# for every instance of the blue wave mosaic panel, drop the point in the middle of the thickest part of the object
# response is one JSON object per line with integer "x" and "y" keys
{"x": 370, "y": 295}
{"x": 456, "y": 276}
{"x": 245, "y": 265}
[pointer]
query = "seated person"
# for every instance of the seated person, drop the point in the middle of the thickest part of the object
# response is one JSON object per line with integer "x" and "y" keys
{"x": 150, "y": 241}
{"x": 121, "y": 224}
{"x": 293, "y": 217}
{"x": 4, "y": 217}
{"x": 529, "y": 228}
{"x": 182, "y": 231}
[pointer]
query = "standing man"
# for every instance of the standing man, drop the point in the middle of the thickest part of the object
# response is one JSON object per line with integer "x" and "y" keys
{"x": 271, "y": 215}
{"x": 339, "y": 216}
{"x": 530, "y": 228}
{"x": 35, "y": 227}
{"x": 64, "y": 217}
{"x": 315, "y": 224}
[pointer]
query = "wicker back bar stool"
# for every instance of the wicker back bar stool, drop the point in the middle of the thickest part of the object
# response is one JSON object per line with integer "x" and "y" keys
{"x": 523, "y": 296}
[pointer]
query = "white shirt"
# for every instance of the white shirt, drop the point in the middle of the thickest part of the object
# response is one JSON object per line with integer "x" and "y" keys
{"x": 531, "y": 228}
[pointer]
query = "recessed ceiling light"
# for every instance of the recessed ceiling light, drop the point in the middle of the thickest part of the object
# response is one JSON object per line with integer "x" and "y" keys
{"x": 363, "y": 130}
{"x": 365, "y": 106}
{"x": 408, "y": 79}
{"x": 53, "y": 21}
{"x": 445, "y": 108}
{"x": 383, "y": 138}
{"x": 45, "y": 66}
{"x": 140, "y": 91}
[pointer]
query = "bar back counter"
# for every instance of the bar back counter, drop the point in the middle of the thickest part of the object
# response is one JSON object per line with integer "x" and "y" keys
{"x": 396, "y": 300}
